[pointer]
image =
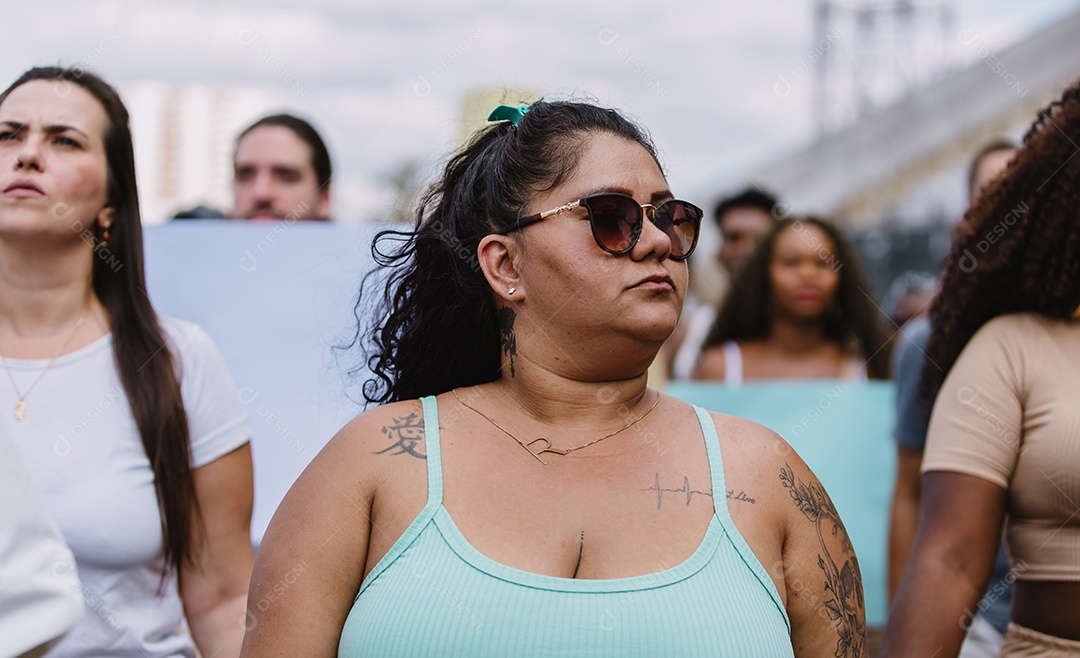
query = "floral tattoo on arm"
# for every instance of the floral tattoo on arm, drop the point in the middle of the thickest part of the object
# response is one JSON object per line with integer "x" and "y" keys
{"x": 843, "y": 583}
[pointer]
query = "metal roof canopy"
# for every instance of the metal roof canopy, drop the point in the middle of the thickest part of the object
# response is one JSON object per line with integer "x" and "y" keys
{"x": 847, "y": 174}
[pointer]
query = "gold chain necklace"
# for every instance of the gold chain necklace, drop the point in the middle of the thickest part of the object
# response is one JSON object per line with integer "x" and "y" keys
{"x": 544, "y": 442}
{"x": 20, "y": 406}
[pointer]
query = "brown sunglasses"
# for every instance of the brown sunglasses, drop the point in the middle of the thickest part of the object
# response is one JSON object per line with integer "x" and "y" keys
{"x": 617, "y": 221}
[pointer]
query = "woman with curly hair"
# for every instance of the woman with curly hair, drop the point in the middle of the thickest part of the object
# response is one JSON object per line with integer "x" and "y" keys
{"x": 801, "y": 308}
{"x": 539, "y": 499}
{"x": 1003, "y": 434}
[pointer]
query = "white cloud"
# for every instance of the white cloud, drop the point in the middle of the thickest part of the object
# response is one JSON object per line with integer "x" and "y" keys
{"x": 385, "y": 80}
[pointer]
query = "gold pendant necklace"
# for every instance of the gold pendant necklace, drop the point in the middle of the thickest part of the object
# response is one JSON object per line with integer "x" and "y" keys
{"x": 20, "y": 405}
{"x": 542, "y": 443}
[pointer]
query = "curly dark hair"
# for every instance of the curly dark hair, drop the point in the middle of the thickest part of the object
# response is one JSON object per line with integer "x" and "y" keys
{"x": 854, "y": 319}
{"x": 1018, "y": 249}
{"x": 437, "y": 325}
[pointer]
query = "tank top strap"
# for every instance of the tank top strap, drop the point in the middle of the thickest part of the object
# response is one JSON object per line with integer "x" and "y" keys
{"x": 853, "y": 369}
{"x": 720, "y": 507}
{"x": 434, "y": 499}
{"x": 732, "y": 363}
{"x": 434, "y": 455}
{"x": 716, "y": 463}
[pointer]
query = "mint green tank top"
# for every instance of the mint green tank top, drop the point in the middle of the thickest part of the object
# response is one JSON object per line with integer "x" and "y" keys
{"x": 434, "y": 594}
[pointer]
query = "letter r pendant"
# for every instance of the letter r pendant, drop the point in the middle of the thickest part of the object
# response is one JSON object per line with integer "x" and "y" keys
{"x": 547, "y": 448}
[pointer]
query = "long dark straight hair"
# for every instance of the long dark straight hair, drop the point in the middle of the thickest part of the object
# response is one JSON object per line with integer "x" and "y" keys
{"x": 146, "y": 367}
{"x": 852, "y": 320}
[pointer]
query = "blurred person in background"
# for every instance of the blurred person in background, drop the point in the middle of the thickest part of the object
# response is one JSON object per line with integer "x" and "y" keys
{"x": 127, "y": 420}
{"x": 281, "y": 170}
{"x": 987, "y": 629}
{"x": 1002, "y": 444}
{"x": 800, "y": 308}
{"x": 451, "y": 525}
{"x": 743, "y": 219}
{"x": 909, "y": 297}
{"x": 987, "y": 164}
{"x": 200, "y": 211}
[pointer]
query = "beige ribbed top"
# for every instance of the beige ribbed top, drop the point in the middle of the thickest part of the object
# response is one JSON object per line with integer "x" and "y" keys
{"x": 1009, "y": 412}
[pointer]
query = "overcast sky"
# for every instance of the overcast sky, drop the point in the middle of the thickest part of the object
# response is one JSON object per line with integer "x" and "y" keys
{"x": 386, "y": 80}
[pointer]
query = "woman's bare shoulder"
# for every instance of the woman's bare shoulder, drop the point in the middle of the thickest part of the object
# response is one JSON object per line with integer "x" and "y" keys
{"x": 746, "y": 438}
{"x": 389, "y": 431}
{"x": 375, "y": 423}
{"x": 759, "y": 458}
{"x": 711, "y": 364}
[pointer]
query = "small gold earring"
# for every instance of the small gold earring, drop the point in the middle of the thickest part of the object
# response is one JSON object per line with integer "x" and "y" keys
{"x": 104, "y": 241}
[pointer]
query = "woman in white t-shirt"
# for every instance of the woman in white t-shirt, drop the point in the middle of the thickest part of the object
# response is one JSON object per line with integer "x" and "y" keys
{"x": 128, "y": 422}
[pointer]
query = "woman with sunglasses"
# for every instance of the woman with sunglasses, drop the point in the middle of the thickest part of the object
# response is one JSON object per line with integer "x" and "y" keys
{"x": 522, "y": 492}
{"x": 127, "y": 420}
{"x": 800, "y": 309}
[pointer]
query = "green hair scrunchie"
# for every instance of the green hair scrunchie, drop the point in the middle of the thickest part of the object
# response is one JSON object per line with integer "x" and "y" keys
{"x": 511, "y": 113}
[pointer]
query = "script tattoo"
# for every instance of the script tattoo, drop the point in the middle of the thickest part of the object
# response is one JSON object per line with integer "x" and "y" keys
{"x": 506, "y": 330}
{"x": 407, "y": 433}
{"x": 842, "y": 582}
{"x": 684, "y": 489}
{"x": 731, "y": 495}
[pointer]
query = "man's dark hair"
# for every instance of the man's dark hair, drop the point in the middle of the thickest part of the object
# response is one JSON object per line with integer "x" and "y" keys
{"x": 320, "y": 157}
{"x": 751, "y": 197}
{"x": 993, "y": 146}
